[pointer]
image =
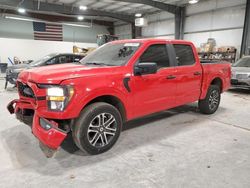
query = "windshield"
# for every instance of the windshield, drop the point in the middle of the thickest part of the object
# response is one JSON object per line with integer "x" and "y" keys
{"x": 42, "y": 60}
{"x": 244, "y": 62}
{"x": 111, "y": 54}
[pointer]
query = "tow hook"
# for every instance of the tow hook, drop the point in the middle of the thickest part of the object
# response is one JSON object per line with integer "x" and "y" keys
{"x": 48, "y": 152}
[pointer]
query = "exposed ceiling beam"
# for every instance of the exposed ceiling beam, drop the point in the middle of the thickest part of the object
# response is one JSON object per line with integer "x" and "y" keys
{"x": 160, "y": 5}
{"x": 56, "y": 18}
{"x": 64, "y": 9}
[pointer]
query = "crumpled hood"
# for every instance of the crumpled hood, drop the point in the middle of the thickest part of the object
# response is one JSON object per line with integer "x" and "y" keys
{"x": 55, "y": 74}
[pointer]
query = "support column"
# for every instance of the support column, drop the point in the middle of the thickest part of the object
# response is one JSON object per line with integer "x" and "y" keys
{"x": 245, "y": 45}
{"x": 179, "y": 23}
{"x": 136, "y": 31}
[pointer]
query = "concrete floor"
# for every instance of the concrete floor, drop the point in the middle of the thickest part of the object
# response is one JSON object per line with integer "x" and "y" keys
{"x": 176, "y": 148}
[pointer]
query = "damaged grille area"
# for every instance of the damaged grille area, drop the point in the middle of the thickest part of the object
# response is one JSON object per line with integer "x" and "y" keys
{"x": 25, "y": 90}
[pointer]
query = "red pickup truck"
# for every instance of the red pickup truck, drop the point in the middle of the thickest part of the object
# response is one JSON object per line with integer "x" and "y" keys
{"x": 118, "y": 82}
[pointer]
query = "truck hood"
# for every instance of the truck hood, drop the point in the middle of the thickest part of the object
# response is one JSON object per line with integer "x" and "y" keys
{"x": 55, "y": 74}
{"x": 19, "y": 67}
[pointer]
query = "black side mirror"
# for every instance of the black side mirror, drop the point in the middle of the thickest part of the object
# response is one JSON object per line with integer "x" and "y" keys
{"x": 145, "y": 68}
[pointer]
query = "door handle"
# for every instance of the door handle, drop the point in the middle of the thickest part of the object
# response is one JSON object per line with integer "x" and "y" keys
{"x": 197, "y": 73}
{"x": 170, "y": 77}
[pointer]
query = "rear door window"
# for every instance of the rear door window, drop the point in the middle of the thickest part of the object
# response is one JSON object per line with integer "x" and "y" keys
{"x": 184, "y": 54}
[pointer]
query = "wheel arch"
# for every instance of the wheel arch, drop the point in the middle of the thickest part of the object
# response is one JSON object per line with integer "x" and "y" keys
{"x": 218, "y": 82}
{"x": 113, "y": 100}
{"x": 215, "y": 81}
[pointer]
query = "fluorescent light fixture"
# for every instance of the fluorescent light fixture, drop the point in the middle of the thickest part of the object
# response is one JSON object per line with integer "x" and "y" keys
{"x": 76, "y": 25}
{"x": 21, "y": 10}
{"x": 18, "y": 18}
{"x": 80, "y": 18}
{"x": 34, "y": 20}
{"x": 83, "y": 7}
{"x": 138, "y": 15}
{"x": 193, "y": 1}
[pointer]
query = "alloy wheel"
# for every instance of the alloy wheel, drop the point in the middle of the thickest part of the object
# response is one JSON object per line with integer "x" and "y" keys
{"x": 214, "y": 99}
{"x": 102, "y": 130}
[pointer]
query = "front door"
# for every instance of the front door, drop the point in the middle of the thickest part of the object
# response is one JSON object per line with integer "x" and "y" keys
{"x": 154, "y": 92}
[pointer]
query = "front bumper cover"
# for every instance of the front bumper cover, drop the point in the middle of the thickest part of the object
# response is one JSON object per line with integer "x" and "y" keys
{"x": 50, "y": 138}
{"x": 240, "y": 83}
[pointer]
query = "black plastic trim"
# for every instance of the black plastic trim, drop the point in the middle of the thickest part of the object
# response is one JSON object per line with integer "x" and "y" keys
{"x": 125, "y": 83}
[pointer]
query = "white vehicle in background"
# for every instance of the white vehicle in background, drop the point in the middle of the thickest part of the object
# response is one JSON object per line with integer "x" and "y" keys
{"x": 241, "y": 73}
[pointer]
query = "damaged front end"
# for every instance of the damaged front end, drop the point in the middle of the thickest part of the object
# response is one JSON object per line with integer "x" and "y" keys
{"x": 50, "y": 132}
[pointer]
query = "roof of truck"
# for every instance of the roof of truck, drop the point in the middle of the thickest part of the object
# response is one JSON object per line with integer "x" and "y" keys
{"x": 146, "y": 40}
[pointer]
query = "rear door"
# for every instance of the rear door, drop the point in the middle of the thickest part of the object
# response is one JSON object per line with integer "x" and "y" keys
{"x": 188, "y": 74}
{"x": 154, "y": 92}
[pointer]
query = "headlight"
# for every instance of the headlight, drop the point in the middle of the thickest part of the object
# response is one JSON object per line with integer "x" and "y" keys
{"x": 58, "y": 97}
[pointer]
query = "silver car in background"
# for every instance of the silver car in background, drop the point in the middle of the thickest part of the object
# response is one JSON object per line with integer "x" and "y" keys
{"x": 241, "y": 73}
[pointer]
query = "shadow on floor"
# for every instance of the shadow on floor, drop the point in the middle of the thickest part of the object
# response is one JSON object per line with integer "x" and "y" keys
{"x": 239, "y": 91}
{"x": 24, "y": 150}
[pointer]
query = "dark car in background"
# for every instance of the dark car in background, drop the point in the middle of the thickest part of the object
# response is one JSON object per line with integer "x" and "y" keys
{"x": 51, "y": 59}
{"x": 241, "y": 73}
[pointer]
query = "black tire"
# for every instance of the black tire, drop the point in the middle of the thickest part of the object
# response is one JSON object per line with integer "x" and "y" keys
{"x": 210, "y": 104}
{"x": 91, "y": 124}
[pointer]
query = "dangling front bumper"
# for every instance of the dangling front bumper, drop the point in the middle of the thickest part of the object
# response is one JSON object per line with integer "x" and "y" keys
{"x": 46, "y": 131}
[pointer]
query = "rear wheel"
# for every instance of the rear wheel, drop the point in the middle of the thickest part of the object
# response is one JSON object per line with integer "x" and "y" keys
{"x": 210, "y": 104}
{"x": 98, "y": 128}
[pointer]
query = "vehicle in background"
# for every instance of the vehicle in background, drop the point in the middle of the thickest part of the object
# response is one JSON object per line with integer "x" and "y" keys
{"x": 241, "y": 73}
{"x": 105, "y": 38}
{"x": 118, "y": 82}
{"x": 12, "y": 72}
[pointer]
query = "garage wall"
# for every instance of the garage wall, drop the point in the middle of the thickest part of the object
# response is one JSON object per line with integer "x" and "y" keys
{"x": 27, "y": 49}
{"x": 219, "y": 19}
{"x": 123, "y": 30}
{"x": 16, "y": 39}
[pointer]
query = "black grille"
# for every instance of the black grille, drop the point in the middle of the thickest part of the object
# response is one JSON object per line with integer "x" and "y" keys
{"x": 25, "y": 90}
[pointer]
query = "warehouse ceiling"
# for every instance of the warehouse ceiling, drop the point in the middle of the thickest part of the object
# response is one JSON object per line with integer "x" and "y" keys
{"x": 102, "y": 12}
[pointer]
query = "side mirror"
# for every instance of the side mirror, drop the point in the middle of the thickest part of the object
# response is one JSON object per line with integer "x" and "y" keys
{"x": 145, "y": 68}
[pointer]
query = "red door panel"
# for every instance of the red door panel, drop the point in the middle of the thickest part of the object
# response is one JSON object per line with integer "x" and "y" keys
{"x": 154, "y": 92}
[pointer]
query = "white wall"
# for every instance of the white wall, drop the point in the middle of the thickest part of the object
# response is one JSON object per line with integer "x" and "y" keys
{"x": 222, "y": 20}
{"x": 219, "y": 19}
{"x": 124, "y": 31}
{"x": 26, "y": 49}
{"x": 24, "y": 30}
{"x": 17, "y": 39}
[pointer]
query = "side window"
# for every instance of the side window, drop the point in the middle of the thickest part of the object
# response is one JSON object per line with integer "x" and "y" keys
{"x": 52, "y": 61}
{"x": 184, "y": 54}
{"x": 156, "y": 53}
{"x": 63, "y": 59}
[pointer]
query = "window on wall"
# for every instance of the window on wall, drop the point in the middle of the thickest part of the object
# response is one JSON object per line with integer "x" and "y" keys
{"x": 156, "y": 53}
{"x": 184, "y": 54}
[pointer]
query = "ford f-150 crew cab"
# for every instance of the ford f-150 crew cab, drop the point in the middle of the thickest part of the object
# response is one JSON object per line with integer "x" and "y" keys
{"x": 120, "y": 81}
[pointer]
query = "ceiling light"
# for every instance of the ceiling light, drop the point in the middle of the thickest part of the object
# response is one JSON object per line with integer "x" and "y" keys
{"x": 138, "y": 15}
{"x": 80, "y": 18}
{"x": 18, "y": 18}
{"x": 76, "y": 25}
{"x": 83, "y": 7}
{"x": 35, "y": 20}
{"x": 193, "y": 1}
{"x": 21, "y": 10}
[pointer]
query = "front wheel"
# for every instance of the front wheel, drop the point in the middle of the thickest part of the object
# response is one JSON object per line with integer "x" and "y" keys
{"x": 98, "y": 128}
{"x": 210, "y": 104}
